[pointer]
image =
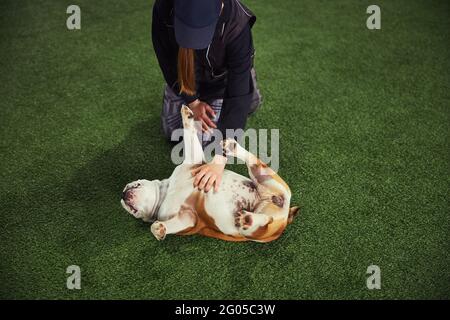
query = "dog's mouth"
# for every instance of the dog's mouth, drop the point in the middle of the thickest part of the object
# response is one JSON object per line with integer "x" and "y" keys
{"x": 129, "y": 207}
{"x": 126, "y": 197}
{"x": 132, "y": 209}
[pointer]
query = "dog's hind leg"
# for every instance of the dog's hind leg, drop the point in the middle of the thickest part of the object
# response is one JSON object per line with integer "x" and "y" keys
{"x": 248, "y": 222}
{"x": 271, "y": 215}
{"x": 185, "y": 219}
{"x": 193, "y": 151}
{"x": 260, "y": 173}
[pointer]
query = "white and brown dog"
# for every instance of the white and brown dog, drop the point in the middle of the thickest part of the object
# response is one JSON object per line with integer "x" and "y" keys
{"x": 242, "y": 210}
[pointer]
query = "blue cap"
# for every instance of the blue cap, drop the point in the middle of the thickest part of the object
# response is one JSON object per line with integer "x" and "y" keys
{"x": 195, "y": 22}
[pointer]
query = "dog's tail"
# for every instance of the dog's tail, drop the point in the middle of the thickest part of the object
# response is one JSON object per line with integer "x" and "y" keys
{"x": 293, "y": 212}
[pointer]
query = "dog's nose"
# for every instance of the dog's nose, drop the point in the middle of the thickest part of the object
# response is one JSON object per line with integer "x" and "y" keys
{"x": 125, "y": 195}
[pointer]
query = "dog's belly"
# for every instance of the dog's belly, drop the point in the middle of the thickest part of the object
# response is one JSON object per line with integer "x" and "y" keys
{"x": 236, "y": 192}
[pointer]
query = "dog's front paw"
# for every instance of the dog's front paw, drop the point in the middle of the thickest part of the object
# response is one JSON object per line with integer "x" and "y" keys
{"x": 188, "y": 117}
{"x": 229, "y": 146}
{"x": 159, "y": 230}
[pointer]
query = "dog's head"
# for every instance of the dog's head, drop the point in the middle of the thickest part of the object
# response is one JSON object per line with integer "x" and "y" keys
{"x": 141, "y": 198}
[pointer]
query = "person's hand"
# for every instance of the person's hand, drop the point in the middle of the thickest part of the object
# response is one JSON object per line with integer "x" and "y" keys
{"x": 210, "y": 174}
{"x": 203, "y": 112}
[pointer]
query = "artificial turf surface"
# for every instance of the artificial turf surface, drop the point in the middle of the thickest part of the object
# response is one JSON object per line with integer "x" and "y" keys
{"x": 364, "y": 133}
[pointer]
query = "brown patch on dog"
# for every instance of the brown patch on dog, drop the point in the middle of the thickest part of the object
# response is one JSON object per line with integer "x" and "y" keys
{"x": 250, "y": 185}
{"x": 204, "y": 223}
{"x": 242, "y": 203}
{"x": 204, "y": 216}
{"x": 269, "y": 239}
{"x": 269, "y": 232}
{"x": 191, "y": 203}
{"x": 278, "y": 201}
{"x": 259, "y": 233}
{"x": 222, "y": 236}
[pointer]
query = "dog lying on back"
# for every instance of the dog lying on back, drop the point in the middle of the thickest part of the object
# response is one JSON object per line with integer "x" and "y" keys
{"x": 243, "y": 209}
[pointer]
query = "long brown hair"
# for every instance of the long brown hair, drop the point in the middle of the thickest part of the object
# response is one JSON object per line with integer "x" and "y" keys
{"x": 186, "y": 71}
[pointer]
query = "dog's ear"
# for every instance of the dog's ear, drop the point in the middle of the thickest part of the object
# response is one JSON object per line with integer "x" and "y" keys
{"x": 293, "y": 211}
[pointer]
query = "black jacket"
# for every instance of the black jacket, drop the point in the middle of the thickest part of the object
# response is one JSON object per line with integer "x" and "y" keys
{"x": 223, "y": 70}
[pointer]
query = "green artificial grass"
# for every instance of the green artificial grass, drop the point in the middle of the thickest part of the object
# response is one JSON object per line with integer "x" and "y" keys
{"x": 364, "y": 133}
